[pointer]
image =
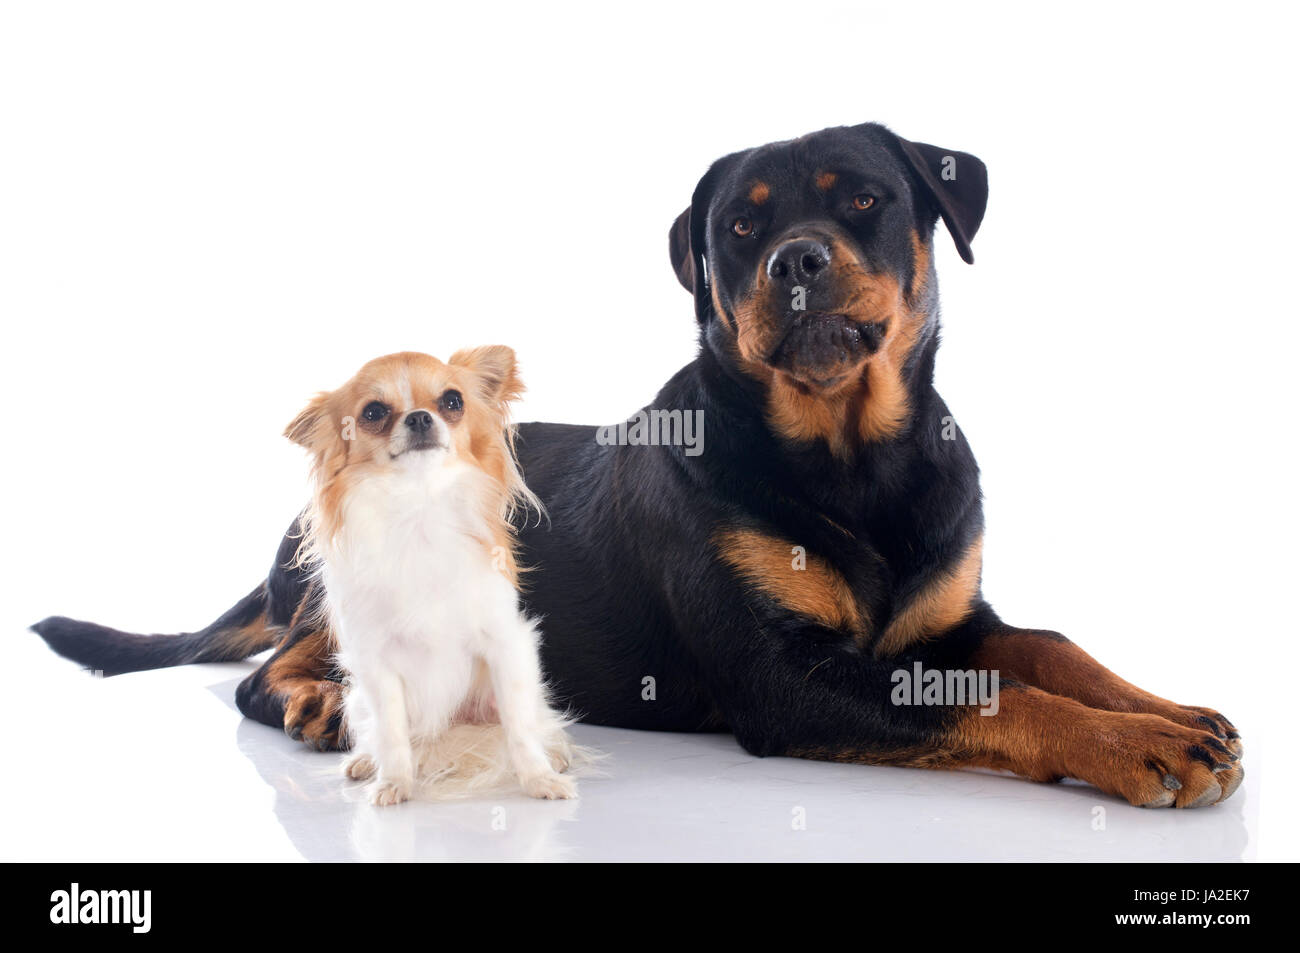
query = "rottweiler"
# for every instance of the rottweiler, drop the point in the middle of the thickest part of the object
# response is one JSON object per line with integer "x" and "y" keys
{"x": 804, "y": 572}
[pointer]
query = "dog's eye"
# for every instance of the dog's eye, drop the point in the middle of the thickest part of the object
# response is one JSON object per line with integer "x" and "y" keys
{"x": 451, "y": 402}
{"x": 375, "y": 411}
{"x": 742, "y": 227}
{"x": 862, "y": 201}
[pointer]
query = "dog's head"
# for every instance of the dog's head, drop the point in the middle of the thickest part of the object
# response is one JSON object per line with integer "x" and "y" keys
{"x": 410, "y": 414}
{"x": 811, "y": 266}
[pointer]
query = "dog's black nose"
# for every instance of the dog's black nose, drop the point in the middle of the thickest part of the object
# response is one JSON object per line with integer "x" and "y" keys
{"x": 799, "y": 262}
{"x": 420, "y": 421}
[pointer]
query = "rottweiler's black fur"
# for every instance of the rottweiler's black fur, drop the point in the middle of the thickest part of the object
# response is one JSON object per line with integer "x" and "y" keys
{"x": 827, "y": 536}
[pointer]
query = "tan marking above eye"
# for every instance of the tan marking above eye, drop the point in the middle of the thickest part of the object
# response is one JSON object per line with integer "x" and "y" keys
{"x": 826, "y": 180}
{"x": 759, "y": 193}
{"x": 742, "y": 227}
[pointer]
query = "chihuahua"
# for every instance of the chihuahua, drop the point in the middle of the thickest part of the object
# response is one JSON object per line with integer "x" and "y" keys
{"x": 415, "y": 485}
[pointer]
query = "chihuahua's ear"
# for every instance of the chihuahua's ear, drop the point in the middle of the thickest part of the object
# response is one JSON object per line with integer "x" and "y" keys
{"x": 496, "y": 368}
{"x": 305, "y": 429}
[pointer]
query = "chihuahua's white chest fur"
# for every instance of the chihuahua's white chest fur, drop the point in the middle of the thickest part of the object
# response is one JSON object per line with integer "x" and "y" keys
{"x": 443, "y": 663}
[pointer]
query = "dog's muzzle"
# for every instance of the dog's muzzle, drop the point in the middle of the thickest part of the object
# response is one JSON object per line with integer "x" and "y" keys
{"x": 422, "y": 432}
{"x": 820, "y": 347}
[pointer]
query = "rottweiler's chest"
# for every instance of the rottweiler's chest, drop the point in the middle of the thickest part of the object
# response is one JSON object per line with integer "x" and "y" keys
{"x": 882, "y": 603}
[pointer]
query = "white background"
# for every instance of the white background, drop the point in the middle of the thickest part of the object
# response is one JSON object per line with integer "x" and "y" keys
{"x": 210, "y": 211}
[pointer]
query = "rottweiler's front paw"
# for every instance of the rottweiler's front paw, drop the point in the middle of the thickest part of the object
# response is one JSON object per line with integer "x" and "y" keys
{"x": 1152, "y": 761}
{"x": 313, "y": 714}
{"x": 1202, "y": 719}
{"x": 1212, "y": 721}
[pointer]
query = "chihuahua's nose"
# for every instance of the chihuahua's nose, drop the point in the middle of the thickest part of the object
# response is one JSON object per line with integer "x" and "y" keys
{"x": 799, "y": 262}
{"x": 420, "y": 421}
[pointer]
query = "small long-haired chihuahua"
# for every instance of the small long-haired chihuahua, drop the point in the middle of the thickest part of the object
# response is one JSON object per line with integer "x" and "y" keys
{"x": 415, "y": 485}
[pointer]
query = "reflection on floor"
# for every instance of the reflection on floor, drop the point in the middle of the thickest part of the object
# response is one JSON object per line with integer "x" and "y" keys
{"x": 142, "y": 767}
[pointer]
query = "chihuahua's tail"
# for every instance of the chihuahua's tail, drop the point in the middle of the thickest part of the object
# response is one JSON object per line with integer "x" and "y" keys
{"x": 244, "y": 630}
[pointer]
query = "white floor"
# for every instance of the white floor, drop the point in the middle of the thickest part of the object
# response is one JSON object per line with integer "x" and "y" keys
{"x": 160, "y": 766}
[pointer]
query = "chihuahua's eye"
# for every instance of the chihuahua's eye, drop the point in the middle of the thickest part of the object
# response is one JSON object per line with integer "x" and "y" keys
{"x": 451, "y": 402}
{"x": 862, "y": 201}
{"x": 742, "y": 227}
{"x": 375, "y": 411}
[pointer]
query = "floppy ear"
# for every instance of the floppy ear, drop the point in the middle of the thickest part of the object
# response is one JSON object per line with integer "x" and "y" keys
{"x": 496, "y": 368}
{"x": 686, "y": 242}
{"x": 679, "y": 250}
{"x": 958, "y": 183}
{"x": 304, "y": 429}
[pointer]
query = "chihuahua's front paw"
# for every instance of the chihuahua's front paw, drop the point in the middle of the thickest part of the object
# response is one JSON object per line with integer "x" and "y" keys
{"x": 360, "y": 767}
{"x": 384, "y": 793}
{"x": 551, "y": 786}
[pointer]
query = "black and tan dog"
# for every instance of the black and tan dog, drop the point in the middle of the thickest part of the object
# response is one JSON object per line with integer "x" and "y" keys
{"x": 825, "y": 536}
